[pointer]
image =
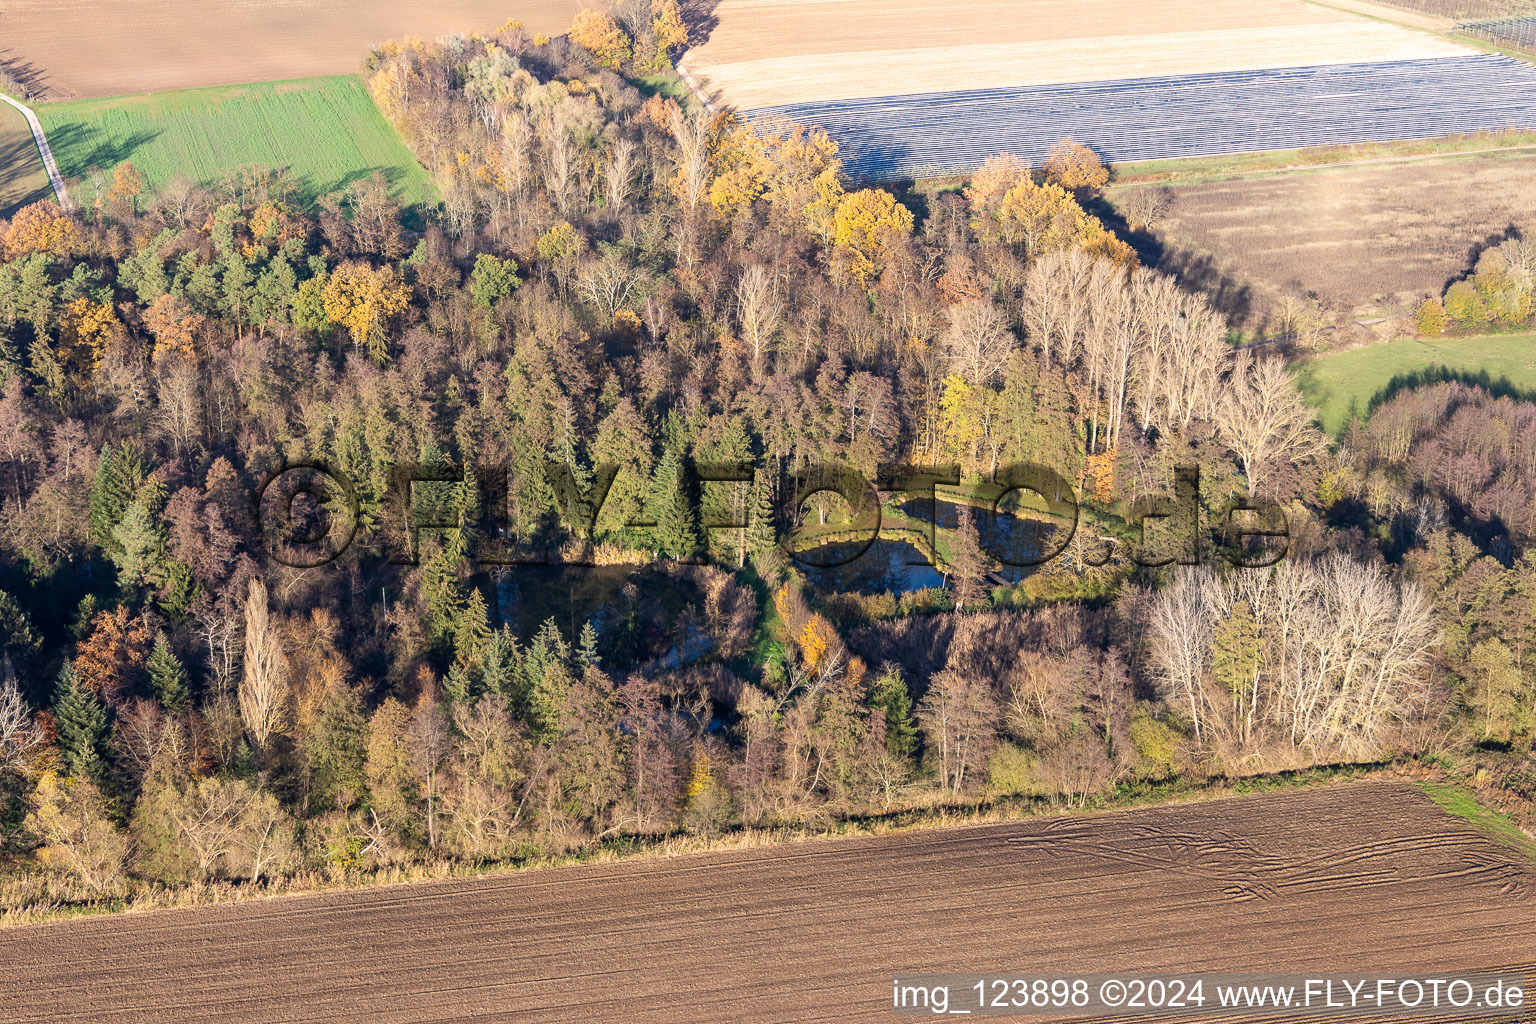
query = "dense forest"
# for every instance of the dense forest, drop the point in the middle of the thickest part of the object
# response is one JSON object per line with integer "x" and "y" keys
{"x": 616, "y": 291}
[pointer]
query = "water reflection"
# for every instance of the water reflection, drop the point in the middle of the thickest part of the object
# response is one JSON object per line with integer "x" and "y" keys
{"x": 571, "y": 595}
{"x": 888, "y": 566}
{"x": 1007, "y": 536}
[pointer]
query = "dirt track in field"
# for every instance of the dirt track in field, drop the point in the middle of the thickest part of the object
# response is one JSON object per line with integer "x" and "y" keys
{"x": 1362, "y": 877}
{"x": 769, "y": 52}
{"x": 70, "y": 49}
{"x": 1365, "y": 238}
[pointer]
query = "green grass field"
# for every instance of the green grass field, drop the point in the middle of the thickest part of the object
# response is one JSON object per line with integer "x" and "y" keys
{"x": 1343, "y": 384}
{"x": 325, "y": 131}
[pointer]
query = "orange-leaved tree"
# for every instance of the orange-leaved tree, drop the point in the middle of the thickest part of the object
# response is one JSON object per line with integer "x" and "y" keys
{"x": 1074, "y": 166}
{"x": 42, "y": 227}
{"x": 599, "y": 34}
{"x": 175, "y": 324}
{"x": 110, "y": 660}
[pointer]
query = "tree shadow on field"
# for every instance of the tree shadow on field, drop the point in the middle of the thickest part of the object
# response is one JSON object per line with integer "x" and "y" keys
{"x": 1198, "y": 272}
{"x": 1510, "y": 232}
{"x": 699, "y": 15}
{"x": 77, "y": 146}
{"x": 310, "y": 188}
{"x": 1192, "y": 270}
{"x": 1498, "y": 387}
{"x": 19, "y": 161}
{"x": 31, "y": 77}
{"x": 1148, "y": 247}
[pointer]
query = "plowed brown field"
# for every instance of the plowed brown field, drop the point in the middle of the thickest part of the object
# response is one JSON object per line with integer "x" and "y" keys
{"x": 82, "y": 48}
{"x": 1364, "y": 877}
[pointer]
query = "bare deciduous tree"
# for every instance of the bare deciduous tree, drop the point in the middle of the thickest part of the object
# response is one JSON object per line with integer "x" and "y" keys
{"x": 608, "y": 283}
{"x": 977, "y": 340}
{"x": 1144, "y": 207}
{"x": 760, "y": 309}
{"x": 428, "y": 740}
{"x": 619, "y": 180}
{"x": 264, "y": 687}
{"x": 20, "y": 736}
{"x": 1180, "y": 645}
{"x": 1340, "y": 652}
{"x": 692, "y": 158}
{"x": 1262, "y": 419}
{"x": 959, "y": 717}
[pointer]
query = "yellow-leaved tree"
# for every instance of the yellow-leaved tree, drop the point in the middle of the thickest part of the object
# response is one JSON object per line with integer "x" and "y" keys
{"x": 599, "y": 34}
{"x": 84, "y": 332}
{"x": 1044, "y": 218}
{"x": 364, "y": 300}
{"x": 738, "y": 164}
{"x": 966, "y": 414}
{"x": 867, "y": 225}
{"x": 803, "y": 175}
{"x": 671, "y": 34}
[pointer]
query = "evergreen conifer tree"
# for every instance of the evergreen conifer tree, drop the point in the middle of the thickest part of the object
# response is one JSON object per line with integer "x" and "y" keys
{"x": 586, "y": 651}
{"x": 81, "y": 722}
{"x": 761, "y": 533}
{"x": 891, "y": 697}
{"x": 677, "y": 520}
{"x": 167, "y": 677}
{"x": 119, "y": 474}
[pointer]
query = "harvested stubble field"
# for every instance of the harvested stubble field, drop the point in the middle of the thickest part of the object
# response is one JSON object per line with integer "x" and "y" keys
{"x": 78, "y": 48}
{"x": 1363, "y": 877}
{"x": 1364, "y": 238}
{"x": 763, "y": 53}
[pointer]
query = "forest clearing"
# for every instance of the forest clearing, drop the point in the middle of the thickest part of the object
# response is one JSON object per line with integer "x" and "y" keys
{"x": 813, "y": 931}
{"x": 1345, "y": 384}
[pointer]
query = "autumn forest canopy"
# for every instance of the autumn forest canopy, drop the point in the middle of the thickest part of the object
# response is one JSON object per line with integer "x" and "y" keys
{"x": 615, "y": 290}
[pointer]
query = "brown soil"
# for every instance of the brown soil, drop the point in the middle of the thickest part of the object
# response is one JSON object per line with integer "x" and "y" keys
{"x": 84, "y": 48}
{"x": 1363, "y": 238}
{"x": 766, "y": 52}
{"x": 1367, "y": 877}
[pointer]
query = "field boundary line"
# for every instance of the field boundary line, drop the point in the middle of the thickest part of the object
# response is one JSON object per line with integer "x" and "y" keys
{"x": 43, "y": 150}
{"x": 1391, "y": 14}
{"x": 1298, "y": 168}
{"x": 693, "y": 86}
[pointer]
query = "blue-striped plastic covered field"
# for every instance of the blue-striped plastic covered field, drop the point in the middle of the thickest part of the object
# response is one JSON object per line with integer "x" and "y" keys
{"x": 890, "y": 137}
